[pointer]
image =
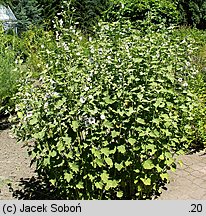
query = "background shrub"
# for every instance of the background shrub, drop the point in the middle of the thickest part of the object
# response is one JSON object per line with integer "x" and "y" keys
{"x": 9, "y": 73}
{"x": 193, "y": 13}
{"x": 137, "y": 11}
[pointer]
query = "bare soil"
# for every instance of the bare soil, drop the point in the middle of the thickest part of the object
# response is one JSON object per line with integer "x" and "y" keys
{"x": 14, "y": 165}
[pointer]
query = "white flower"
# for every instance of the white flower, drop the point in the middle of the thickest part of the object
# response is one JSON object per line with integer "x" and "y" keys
{"x": 86, "y": 88}
{"x": 89, "y": 79}
{"x": 65, "y": 46}
{"x": 61, "y": 22}
{"x": 86, "y": 123}
{"x": 29, "y": 114}
{"x": 180, "y": 79}
{"x": 90, "y": 96}
{"x": 55, "y": 94}
{"x": 92, "y": 49}
{"x": 100, "y": 51}
{"x": 80, "y": 38}
{"x": 90, "y": 39}
{"x": 46, "y": 105}
{"x": 47, "y": 95}
{"x": 91, "y": 120}
{"x": 102, "y": 117}
{"x": 57, "y": 35}
{"x": 82, "y": 99}
{"x": 91, "y": 60}
{"x": 188, "y": 64}
{"x": 185, "y": 84}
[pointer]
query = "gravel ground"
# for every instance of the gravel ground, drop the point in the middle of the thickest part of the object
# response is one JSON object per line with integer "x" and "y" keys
{"x": 14, "y": 165}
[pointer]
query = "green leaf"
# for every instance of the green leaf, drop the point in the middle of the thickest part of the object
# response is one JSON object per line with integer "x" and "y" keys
{"x": 53, "y": 181}
{"x": 140, "y": 96}
{"x": 59, "y": 103}
{"x": 53, "y": 153}
{"x": 74, "y": 167}
{"x": 156, "y": 121}
{"x": 138, "y": 60}
{"x": 158, "y": 168}
{"x": 68, "y": 177}
{"x": 111, "y": 184}
{"x": 60, "y": 146}
{"x": 46, "y": 161}
{"x": 108, "y": 100}
{"x": 80, "y": 185}
{"x": 121, "y": 149}
{"x": 104, "y": 176}
{"x": 146, "y": 181}
{"x": 148, "y": 164}
{"x": 164, "y": 176}
{"x": 161, "y": 157}
{"x": 130, "y": 111}
{"x": 109, "y": 161}
{"x": 158, "y": 102}
{"x": 67, "y": 140}
{"x": 140, "y": 121}
{"x": 96, "y": 153}
{"x": 118, "y": 166}
{"x": 75, "y": 125}
{"x": 120, "y": 194}
{"x": 105, "y": 151}
{"x": 33, "y": 121}
{"x": 20, "y": 115}
{"x": 39, "y": 135}
{"x": 99, "y": 185}
{"x": 151, "y": 147}
{"x": 115, "y": 134}
{"x": 99, "y": 162}
{"x": 127, "y": 163}
{"x": 131, "y": 141}
{"x": 107, "y": 124}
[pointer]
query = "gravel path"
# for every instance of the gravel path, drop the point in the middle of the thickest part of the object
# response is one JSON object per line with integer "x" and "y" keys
{"x": 14, "y": 164}
{"x": 189, "y": 180}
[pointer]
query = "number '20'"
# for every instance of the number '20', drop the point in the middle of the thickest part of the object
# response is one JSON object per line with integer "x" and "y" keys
{"x": 196, "y": 208}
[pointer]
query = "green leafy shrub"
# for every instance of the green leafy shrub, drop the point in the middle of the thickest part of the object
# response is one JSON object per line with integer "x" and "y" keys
{"x": 193, "y": 12}
{"x": 9, "y": 73}
{"x": 108, "y": 114}
{"x": 138, "y": 11}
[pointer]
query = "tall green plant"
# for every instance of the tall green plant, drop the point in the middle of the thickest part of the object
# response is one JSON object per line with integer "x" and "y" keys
{"x": 108, "y": 114}
{"x": 9, "y": 74}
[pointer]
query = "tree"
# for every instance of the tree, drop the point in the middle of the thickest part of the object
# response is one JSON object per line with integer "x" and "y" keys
{"x": 28, "y": 12}
{"x": 193, "y": 12}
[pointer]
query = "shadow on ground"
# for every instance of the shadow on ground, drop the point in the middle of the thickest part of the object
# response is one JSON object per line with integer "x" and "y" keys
{"x": 4, "y": 123}
{"x": 196, "y": 147}
{"x": 33, "y": 189}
